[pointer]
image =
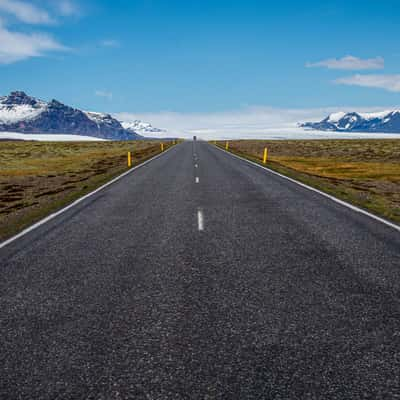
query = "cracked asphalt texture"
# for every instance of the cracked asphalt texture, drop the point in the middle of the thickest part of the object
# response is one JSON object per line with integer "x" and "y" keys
{"x": 284, "y": 295}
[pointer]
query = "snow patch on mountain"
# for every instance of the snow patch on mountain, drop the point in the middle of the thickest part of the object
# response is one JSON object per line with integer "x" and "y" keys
{"x": 335, "y": 117}
{"x": 11, "y": 115}
{"x": 102, "y": 118}
{"x": 378, "y": 115}
{"x": 95, "y": 116}
{"x": 16, "y": 108}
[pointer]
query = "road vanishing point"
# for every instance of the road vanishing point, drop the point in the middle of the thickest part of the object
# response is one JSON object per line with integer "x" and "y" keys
{"x": 202, "y": 276}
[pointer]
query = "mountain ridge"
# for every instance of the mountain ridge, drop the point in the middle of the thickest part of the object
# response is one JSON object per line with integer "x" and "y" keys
{"x": 378, "y": 122}
{"x": 25, "y": 114}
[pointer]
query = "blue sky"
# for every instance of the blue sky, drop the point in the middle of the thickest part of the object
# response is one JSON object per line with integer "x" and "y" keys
{"x": 210, "y": 56}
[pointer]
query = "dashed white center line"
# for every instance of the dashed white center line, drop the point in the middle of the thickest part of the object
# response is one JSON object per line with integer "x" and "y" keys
{"x": 197, "y": 179}
{"x": 200, "y": 220}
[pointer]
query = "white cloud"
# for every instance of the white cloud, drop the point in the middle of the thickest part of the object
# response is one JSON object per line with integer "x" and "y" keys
{"x": 247, "y": 123}
{"x": 16, "y": 46}
{"x": 387, "y": 82}
{"x": 102, "y": 93}
{"x": 25, "y": 12}
{"x": 110, "y": 43}
{"x": 350, "y": 63}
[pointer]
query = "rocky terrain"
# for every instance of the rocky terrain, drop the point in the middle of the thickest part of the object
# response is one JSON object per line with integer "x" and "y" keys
{"x": 25, "y": 114}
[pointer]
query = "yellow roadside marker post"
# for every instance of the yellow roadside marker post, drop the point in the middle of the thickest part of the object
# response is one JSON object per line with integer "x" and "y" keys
{"x": 227, "y": 146}
{"x": 162, "y": 146}
{"x": 265, "y": 158}
{"x": 129, "y": 159}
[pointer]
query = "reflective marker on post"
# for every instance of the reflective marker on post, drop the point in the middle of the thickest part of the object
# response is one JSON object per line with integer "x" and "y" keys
{"x": 265, "y": 156}
{"x": 129, "y": 159}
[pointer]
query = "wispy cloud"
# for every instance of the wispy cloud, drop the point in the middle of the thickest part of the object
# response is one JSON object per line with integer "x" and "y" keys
{"x": 110, "y": 43}
{"x": 25, "y": 12}
{"x": 350, "y": 63}
{"x": 16, "y": 46}
{"x": 387, "y": 82}
{"x": 67, "y": 8}
{"x": 102, "y": 93}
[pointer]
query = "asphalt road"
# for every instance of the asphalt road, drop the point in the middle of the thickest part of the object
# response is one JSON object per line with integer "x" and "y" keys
{"x": 240, "y": 286}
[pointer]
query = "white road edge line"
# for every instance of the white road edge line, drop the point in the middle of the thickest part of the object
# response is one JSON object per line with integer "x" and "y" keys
{"x": 335, "y": 199}
{"x": 197, "y": 179}
{"x": 200, "y": 220}
{"x": 63, "y": 210}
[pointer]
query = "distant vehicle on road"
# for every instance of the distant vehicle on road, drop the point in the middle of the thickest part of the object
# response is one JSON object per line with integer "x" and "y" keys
{"x": 194, "y": 137}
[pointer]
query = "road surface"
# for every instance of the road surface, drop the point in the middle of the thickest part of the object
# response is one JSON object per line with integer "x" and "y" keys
{"x": 201, "y": 276}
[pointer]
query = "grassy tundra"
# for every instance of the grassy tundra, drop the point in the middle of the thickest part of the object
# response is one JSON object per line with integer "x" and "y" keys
{"x": 362, "y": 172}
{"x": 37, "y": 178}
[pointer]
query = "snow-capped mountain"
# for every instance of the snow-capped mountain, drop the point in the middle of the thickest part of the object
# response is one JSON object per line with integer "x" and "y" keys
{"x": 383, "y": 121}
{"x": 141, "y": 127}
{"x": 24, "y": 114}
